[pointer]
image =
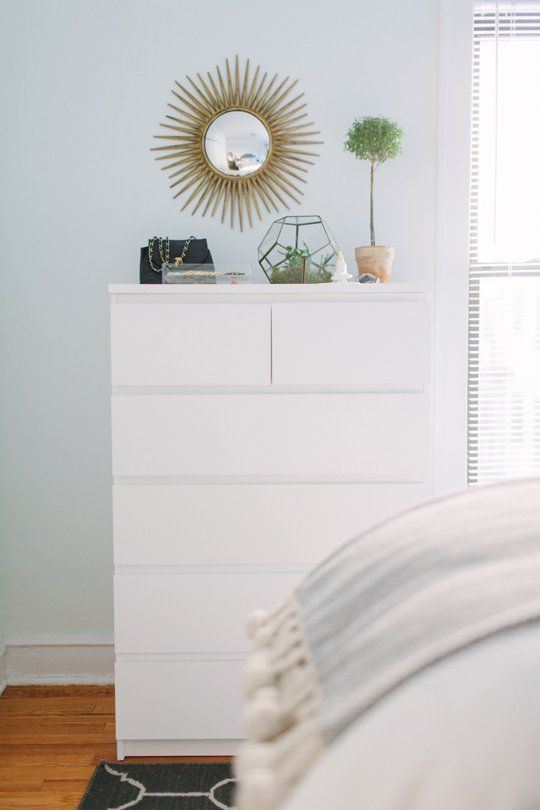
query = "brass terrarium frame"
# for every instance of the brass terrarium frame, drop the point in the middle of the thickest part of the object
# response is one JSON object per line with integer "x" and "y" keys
{"x": 237, "y": 197}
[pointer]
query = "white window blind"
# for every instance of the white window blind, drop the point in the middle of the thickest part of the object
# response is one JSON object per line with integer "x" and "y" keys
{"x": 504, "y": 277}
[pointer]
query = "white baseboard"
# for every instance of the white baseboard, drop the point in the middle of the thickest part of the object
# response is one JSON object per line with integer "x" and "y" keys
{"x": 3, "y": 682}
{"x": 59, "y": 660}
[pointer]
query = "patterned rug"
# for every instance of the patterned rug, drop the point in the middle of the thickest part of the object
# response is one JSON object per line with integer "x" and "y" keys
{"x": 165, "y": 786}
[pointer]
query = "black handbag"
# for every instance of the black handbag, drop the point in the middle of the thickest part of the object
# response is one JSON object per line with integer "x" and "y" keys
{"x": 158, "y": 251}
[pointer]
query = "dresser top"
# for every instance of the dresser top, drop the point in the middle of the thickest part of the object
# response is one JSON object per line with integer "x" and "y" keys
{"x": 275, "y": 291}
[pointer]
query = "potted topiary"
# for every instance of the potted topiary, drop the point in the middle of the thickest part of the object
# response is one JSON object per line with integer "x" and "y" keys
{"x": 376, "y": 140}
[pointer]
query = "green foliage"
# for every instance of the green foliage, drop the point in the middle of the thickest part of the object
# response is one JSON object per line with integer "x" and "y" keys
{"x": 293, "y": 275}
{"x": 374, "y": 139}
{"x": 294, "y": 255}
{"x": 296, "y": 268}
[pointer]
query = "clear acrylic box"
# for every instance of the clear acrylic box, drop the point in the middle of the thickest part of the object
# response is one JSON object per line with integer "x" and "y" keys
{"x": 206, "y": 273}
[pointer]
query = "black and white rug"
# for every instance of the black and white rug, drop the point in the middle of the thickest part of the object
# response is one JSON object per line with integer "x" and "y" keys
{"x": 164, "y": 786}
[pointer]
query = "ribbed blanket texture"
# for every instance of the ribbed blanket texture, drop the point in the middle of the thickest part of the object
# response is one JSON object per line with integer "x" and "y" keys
{"x": 382, "y": 608}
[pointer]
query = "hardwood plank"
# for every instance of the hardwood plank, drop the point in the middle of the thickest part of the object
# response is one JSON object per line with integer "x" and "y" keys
{"x": 59, "y": 748}
{"x": 45, "y": 801}
{"x": 56, "y": 786}
{"x": 18, "y": 707}
{"x": 19, "y": 782}
{"x": 24, "y": 738}
{"x": 55, "y": 723}
{"x": 47, "y": 771}
{"x": 56, "y": 690}
{"x": 107, "y": 751}
{"x": 19, "y": 756}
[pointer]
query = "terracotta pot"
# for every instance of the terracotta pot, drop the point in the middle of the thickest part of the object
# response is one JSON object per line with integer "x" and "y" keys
{"x": 376, "y": 259}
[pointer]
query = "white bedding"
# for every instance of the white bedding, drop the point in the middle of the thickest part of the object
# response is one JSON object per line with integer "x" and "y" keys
{"x": 462, "y": 735}
{"x": 344, "y": 682}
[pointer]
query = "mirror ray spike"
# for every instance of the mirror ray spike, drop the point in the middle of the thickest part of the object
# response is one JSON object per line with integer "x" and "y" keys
{"x": 237, "y": 184}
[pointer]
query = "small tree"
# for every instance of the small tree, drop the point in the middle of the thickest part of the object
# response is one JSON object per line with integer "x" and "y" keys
{"x": 376, "y": 140}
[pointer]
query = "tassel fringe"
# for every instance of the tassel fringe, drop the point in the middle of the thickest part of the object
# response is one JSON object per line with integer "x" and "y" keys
{"x": 283, "y": 699}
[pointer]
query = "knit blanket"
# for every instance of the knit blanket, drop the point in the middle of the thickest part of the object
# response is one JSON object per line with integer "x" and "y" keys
{"x": 382, "y": 608}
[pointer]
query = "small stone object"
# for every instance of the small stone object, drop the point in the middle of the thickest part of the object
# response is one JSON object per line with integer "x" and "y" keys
{"x": 368, "y": 278}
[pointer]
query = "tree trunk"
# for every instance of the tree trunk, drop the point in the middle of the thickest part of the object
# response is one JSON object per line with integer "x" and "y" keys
{"x": 371, "y": 207}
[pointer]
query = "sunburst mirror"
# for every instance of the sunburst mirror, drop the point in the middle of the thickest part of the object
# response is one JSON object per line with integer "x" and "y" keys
{"x": 238, "y": 142}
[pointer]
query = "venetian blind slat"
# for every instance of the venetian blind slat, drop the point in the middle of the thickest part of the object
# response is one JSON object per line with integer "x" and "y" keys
{"x": 504, "y": 287}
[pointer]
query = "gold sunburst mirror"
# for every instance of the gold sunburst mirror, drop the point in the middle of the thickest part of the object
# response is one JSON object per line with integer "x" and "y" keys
{"x": 236, "y": 143}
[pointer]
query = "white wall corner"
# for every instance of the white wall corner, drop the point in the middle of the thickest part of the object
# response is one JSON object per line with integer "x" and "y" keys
{"x": 58, "y": 660}
{"x": 452, "y": 272}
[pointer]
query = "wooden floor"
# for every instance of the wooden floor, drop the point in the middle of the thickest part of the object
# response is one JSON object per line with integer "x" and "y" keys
{"x": 51, "y": 739}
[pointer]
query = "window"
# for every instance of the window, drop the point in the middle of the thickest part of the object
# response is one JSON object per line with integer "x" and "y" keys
{"x": 504, "y": 276}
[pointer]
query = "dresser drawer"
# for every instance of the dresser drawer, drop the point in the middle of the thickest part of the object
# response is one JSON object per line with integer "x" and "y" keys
{"x": 169, "y": 700}
{"x": 251, "y": 524}
{"x": 271, "y": 434}
{"x": 192, "y": 612}
{"x": 190, "y": 344}
{"x": 360, "y": 343}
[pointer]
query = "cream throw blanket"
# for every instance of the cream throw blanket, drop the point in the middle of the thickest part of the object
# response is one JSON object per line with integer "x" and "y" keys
{"x": 385, "y": 606}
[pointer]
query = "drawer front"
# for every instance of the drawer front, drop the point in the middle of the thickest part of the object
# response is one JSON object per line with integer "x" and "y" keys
{"x": 190, "y": 344}
{"x": 170, "y": 700}
{"x": 279, "y": 524}
{"x": 271, "y": 434}
{"x": 377, "y": 343}
{"x": 192, "y": 613}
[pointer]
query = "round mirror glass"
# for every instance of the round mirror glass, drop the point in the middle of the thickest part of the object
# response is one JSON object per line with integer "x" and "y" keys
{"x": 237, "y": 143}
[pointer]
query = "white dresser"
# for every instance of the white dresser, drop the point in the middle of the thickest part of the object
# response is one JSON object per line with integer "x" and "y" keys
{"x": 254, "y": 429}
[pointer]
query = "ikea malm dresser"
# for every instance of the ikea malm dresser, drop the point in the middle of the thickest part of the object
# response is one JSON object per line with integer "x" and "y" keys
{"x": 254, "y": 428}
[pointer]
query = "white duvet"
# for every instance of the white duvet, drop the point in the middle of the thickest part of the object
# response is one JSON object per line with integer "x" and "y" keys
{"x": 462, "y": 735}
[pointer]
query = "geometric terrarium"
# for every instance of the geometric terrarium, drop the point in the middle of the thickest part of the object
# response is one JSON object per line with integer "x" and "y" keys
{"x": 298, "y": 250}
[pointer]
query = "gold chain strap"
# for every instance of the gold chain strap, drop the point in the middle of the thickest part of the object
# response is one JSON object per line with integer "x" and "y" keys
{"x": 164, "y": 254}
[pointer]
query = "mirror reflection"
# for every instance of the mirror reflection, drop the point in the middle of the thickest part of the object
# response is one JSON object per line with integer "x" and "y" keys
{"x": 237, "y": 143}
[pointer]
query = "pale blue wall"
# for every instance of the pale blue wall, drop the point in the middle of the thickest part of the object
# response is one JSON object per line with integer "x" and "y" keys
{"x": 85, "y": 84}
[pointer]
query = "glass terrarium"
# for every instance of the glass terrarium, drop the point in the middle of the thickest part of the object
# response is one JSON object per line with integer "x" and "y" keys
{"x": 298, "y": 250}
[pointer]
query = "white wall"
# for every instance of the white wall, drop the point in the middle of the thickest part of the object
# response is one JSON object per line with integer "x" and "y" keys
{"x": 85, "y": 83}
{"x": 452, "y": 281}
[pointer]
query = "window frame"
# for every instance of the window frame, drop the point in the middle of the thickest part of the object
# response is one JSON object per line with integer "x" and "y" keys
{"x": 451, "y": 287}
